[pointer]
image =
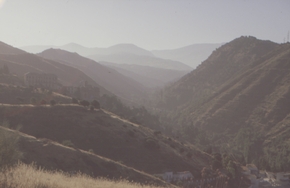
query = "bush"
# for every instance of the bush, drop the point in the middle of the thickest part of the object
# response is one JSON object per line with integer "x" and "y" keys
{"x": 92, "y": 108}
{"x": 52, "y": 102}
{"x": 9, "y": 152}
{"x": 151, "y": 144}
{"x": 96, "y": 104}
{"x": 68, "y": 143}
{"x": 33, "y": 100}
{"x": 43, "y": 102}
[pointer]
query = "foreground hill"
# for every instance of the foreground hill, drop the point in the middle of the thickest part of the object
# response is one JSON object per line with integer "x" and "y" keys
{"x": 53, "y": 156}
{"x": 191, "y": 55}
{"x": 240, "y": 96}
{"x": 122, "y": 86}
{"x": 107, "y": 135}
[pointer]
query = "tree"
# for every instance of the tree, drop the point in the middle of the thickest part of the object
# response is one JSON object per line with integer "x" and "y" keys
{"x": 95, "y": 104}
{"x": 84, "y": 103}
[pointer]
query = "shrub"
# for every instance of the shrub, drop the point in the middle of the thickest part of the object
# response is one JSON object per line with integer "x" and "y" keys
{"x": 43, "y": 102}
{"x": 52, "y": 102}
{"x": 33, "y": 100}
{"x": 92, "y": 108}
{"x": 68, "y": 143}
{"x": 151, "y": 144}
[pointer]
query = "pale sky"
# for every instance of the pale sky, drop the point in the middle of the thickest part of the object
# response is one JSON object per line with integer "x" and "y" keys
{"x": 150, "y": 24}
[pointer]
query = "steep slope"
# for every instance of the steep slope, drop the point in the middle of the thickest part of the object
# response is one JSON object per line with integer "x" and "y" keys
{"x": 222, "y": 65}
{"x": 254, "y": 106}
{"x": 107, "y": 135}
{"x": 191, "y": 55}
{"x": 51, "y": 155}
{"x": 109, "y": 78}
{"x": 150, "y": 77}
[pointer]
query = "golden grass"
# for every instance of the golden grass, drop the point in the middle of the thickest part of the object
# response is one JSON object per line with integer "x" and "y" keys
{"x": 28, "y": 176}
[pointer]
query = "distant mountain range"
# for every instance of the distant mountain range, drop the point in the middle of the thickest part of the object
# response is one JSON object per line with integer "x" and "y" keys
{"x": 184, "y": 58}
{"x": 148, "y": 76}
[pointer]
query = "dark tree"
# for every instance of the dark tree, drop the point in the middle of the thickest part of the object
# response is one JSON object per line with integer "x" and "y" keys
{"x": 96, "y": 104}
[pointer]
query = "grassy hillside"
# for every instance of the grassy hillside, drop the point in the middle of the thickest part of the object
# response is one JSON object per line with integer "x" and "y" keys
{"x": 29, "y": 176}
{"x": 53, "y": 156}
{"x": 107, "y": 135}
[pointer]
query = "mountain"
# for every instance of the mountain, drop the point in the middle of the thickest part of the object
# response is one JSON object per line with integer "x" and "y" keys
{"x": 240, "y": 96}
{"x": 85, "y": 51}
{"x": 122, "y": 86}
{"x": 120, "y": 53}
{"x": 150, "y": 77}
{"x": 106, "y": 134}
{"x": 21, "y": 62}
{"x": 191, "y": 55}
{"x": 50, "y": 155}
{"x": 221, "y": 66}
{"x": 7, "y": 49}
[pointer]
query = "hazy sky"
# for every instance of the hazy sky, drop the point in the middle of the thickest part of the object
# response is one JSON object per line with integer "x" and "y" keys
{"x": 151, "y": 24}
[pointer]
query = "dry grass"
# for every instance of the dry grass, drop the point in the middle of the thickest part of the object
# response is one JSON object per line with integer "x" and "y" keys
{"x": 28, "y": 176}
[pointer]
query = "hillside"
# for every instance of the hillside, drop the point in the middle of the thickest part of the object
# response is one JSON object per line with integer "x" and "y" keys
{"x": 122, "y": 86}
{"x": 107, "y": 135}
{"x": 221, "y": 66}
{"x": 11, "y": 94}
{"x": 245, "y": 104}
{"x": 255, "y": 106}
{"x": 191, "y": 55}
{"x": 7, "y": 49}
{"x": 50, "y": 155}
